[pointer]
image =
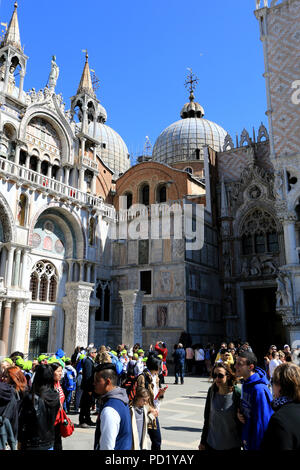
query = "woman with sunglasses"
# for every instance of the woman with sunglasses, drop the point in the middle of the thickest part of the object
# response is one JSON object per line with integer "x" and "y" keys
{"x": 222, "y": 430}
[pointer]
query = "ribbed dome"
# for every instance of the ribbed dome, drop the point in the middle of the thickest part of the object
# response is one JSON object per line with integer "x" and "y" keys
{"x": 184, "y": 140}
{"x": 113, "y": 151}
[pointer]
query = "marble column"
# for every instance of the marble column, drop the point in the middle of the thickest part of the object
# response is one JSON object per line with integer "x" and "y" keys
{"x": 5, "y": 328}
{"x": 76, "y": 305}
{"x": 17, "y": 267}
{"x": 132, "y": 316}
{"x": 21, "y": 84}
{"x": 92, "y": 325}
{"x": 24, "y": 279}
{"x": 81, "y": 179}
{"x": 290, "y": 242}
{"x": 10, "y": 266}
{"x": 19, "y": 327}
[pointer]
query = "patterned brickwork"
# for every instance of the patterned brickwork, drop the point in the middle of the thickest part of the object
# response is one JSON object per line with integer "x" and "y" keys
{"x": 283, "y": 50}
{"x": 232, "y": 163}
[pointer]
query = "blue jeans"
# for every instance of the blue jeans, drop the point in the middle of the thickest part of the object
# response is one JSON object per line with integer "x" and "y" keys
{"x": 68, "y": 396}
{"x": 155, "y": 437}
{"x": 179, "y": 372}
{"x": 78, "y": 392}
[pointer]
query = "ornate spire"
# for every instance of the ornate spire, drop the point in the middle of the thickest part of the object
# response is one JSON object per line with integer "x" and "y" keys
{"x": 12, "y": 36}
{"x": 86, "y": 85}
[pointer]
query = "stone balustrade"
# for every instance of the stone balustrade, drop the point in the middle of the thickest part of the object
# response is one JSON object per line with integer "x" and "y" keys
{"x": 13, "y": 171}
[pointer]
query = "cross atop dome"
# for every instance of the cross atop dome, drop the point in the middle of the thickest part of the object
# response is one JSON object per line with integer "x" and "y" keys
{"x": 191, "y": 83}
{"x": 191, "y": 109}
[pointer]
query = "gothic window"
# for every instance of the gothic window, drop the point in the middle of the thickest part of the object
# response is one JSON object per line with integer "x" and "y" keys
{"x": 52, "y": 289}
{"x": 258, "y": 234}
{"x": 43, "y": 282}
{"x": 34, "y": 285}
{"x": 103, "y": 294}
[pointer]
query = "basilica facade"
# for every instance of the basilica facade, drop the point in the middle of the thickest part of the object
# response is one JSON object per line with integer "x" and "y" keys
{"x": 75, "y": 266}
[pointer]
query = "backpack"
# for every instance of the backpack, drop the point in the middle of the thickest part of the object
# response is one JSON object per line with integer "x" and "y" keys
{"x": 130, "y": 385}
{"x": 7, "y": 437}
{"x": 69, "y": 381}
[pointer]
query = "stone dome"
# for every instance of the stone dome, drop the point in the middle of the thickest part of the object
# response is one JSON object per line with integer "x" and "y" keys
{"x": 113, "y": 150}
{"x": 184, "y": 139}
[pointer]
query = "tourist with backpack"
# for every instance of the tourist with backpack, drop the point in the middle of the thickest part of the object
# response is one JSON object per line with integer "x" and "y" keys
{"x": 69, "y": 383}
{"x": 8, "y": 416}
{"x": 38, "y": 412}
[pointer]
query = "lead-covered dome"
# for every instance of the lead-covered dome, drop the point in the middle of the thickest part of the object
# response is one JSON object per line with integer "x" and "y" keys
{"x": 113, "y": 150}
{"x": 184, "y": 139}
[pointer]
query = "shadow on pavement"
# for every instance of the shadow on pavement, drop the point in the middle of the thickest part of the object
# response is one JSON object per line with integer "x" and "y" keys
{"x": 181, "y": 428}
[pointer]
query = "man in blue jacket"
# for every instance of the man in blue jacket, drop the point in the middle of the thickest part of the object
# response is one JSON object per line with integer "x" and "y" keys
{"x": 113, "y": 429}
{"x": 179, "y": 362}
{"x": 256, "y": 409}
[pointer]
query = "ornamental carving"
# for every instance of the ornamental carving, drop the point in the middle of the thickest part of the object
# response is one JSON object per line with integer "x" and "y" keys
{"x": 258, "y": 266}
{"x": 254, "y": 192}
{"x": 258, "y": 221}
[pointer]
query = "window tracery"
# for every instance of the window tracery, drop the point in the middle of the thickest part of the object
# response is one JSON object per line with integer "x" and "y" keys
{"x": 259, "y": 233}
{"x": 43, "y": 282}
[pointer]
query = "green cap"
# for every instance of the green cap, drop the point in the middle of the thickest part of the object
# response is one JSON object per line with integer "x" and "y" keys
{"x": 67, "y": 359}
{"x": 145, "y": 359}
{"x": 28, "y": 365}
{"x": 124, "y": 351}
{"x": 135, "y": 356}
{"x": 114, "y": 353}
{"x": 54, "y": 359}
{"x": 42, "y": 357}
{"x": 20, "y": 362}
{"x": 82, "y": 356}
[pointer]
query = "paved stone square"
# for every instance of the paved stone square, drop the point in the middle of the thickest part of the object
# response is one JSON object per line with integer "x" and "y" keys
{"x": 181, "y": 418}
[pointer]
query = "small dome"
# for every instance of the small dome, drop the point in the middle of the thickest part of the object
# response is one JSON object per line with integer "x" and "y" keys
{"x": 184, "y": 140}
{"x": 113, "y": 150}
{"x": 192, "y": 109}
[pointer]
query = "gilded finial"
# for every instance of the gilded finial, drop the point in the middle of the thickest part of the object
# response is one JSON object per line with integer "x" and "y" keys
{"x": 16, "y": 5}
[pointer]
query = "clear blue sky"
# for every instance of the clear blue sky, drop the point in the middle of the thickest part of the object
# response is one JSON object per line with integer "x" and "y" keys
{"x": 141, "y": 49}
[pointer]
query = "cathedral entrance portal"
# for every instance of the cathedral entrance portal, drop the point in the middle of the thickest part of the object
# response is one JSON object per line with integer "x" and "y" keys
{"x": 39, "y": 332}
{"x": 263, "y": 326}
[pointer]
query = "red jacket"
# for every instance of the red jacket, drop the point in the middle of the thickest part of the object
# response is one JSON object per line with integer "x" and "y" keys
{"x": 162, "y": 351}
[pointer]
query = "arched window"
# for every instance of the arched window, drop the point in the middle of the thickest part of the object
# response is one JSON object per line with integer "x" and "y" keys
{"x": 161, "y": 194}
{"x": 144, "y": 194}
{"x": 189, "y": 170}
{"x": 258, "y": 234}
{"x": 43, "y": 282}
{"x": 128, "y": 196}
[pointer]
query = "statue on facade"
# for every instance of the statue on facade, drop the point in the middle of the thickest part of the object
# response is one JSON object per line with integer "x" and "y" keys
{"x": 54, "y": 73}
{"x": 284, "y": 294}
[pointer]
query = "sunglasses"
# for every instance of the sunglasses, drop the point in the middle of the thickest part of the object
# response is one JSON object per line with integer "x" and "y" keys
{"x": 220, "y": 376}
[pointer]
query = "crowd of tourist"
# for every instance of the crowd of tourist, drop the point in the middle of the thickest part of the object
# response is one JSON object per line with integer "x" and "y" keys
{"x": 247, "y": 407}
